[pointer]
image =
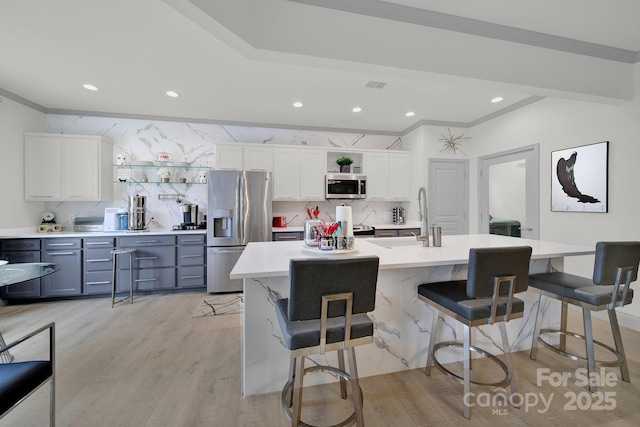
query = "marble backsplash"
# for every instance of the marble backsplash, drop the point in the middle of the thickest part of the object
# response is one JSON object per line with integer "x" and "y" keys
{"x": 139, "y": 139}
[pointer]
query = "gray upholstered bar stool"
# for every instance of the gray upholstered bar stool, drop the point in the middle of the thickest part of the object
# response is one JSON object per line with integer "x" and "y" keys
{"x": 615, "y": 267}
{"x": 326, "y": 311}
{"x": 486, "y": 297}
{"x": 115, "y": 254}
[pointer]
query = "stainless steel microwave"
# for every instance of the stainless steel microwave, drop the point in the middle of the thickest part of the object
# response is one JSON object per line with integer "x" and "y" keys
{"x": 345, "y": 186}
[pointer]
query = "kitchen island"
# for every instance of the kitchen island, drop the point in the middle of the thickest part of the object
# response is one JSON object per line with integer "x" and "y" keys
{"x": 402, "y": 323}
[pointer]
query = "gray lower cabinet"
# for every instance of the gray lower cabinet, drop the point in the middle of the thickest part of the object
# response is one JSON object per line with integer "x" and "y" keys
{"x": 379, "y": 232}
{"x": 67, "y": 254}
{"x": 281, "y": 236}
{"x": 192, "y": 260}
{"x": 396, "y": 232}
{"x": 98, "y": 262}
{"x": 154, "y": 262}
{"x": 21, "y": 250}
{"x": 161, "y": 262}
{"x": 408, "y": 232}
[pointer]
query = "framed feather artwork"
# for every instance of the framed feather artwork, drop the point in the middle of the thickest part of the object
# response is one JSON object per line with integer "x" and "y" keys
{"x": 580, "y": 178}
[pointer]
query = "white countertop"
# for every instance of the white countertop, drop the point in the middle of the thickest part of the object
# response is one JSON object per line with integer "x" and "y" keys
{"x": 31, "y": 233}
{"x": 271, "y": 259}
{"x": 408, "y": 224}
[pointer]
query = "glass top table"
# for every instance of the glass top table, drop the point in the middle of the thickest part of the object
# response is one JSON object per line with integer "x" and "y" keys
{"x": 11, "y": 274}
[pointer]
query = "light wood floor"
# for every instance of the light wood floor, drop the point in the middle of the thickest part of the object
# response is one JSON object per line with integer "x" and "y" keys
{"x": 152, "y": 364}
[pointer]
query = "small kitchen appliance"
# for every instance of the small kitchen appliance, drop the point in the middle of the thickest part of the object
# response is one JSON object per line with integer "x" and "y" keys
{"x": 189, "y": 214}
{"x": 137, "y": 213}
{"x": 111, "y": 222}
{"x": 279, "y": 221}
{"x": 345, "y": 186}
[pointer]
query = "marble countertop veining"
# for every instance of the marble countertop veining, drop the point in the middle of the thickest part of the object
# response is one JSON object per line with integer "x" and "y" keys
{"x": 271, "y": 259}
{"x": 31, "y": 233}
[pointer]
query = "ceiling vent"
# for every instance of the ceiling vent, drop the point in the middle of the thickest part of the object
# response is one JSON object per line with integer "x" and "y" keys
{"x": 375, "y": 85}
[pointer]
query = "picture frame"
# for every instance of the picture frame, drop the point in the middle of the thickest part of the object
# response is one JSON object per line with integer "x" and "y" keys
{"x": 580, "y": 178}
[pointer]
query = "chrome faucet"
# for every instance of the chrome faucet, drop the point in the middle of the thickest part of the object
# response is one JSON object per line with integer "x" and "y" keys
{"x": 424, "y": 227}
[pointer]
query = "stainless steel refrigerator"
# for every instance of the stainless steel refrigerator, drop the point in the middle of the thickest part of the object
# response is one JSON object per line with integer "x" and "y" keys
{"x": 238, "y": 212}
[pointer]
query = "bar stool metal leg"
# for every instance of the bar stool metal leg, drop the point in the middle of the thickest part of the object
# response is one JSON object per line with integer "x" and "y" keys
{"x": 536, "y": 328}
{"x": 113, "y": 280}
{"x": 115, "y": 254}
{"x": 432, "y": 341}
{"x": 5, "y": 357}
{"x": 617, "y": 339}
{"x": 589, "y": 348}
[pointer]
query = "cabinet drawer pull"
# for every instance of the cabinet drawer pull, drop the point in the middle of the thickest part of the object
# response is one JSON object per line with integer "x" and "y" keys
{"x": 192, "y": 240}
{"x": 146, "y": 257}
{"x": 99, "y": 260}
{"x": 98, "y": 243}
{"x": 106, "y": 282}
{"x": 191, "y": 256}
{"x": 61, "y": 244}
{"x": 192, "y": 277}
{"x": 146, "y": 280}
{"x": 386, "y": 234}
{"x": 23, "y": 245}
{"x": 20, "y": 254}
{"x": 147, "y": 241}
{"x": 287, "y": 237}
{"x": 60, "y": 253}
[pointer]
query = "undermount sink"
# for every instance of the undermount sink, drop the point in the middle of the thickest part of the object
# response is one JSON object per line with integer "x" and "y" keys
{"x": 390, "y": 242}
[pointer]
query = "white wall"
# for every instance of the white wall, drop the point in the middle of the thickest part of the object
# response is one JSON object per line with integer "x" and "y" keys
{"x": 15, "y": 119}
{"x": 557, "y": 124}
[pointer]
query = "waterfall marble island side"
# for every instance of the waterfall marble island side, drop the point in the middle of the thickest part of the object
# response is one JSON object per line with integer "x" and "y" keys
{"x": 402, "y": 322}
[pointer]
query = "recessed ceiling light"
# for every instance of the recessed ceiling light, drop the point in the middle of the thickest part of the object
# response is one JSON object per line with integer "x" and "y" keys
{"x": 410, "y": 114}
{"x": 356, "y": 109}
{"x": 172, "y": 94}
{"x": 297, "y": 104}
{"x": 497, "y": 99}
{"x": 88, "y": 86}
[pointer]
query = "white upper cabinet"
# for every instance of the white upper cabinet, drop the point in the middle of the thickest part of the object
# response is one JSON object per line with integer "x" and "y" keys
{"x": 298, "y": 173}
{"x": 377, "y": 172}
{"x": 388, "y": 175}
{"x": 228, "y": 156}
{"x": 257, "y": 157}
{"x": 286, "y": 169}
{"x": 68, "y": 168}
{"x": 243, "y": 157}
{"x": 399, "y": 176}
{"x": 312, "y": 172}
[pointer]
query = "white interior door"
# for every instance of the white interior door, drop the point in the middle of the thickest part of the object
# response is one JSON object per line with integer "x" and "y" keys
{"x": 509, "y": 193}
{"x": 448, "y": 195}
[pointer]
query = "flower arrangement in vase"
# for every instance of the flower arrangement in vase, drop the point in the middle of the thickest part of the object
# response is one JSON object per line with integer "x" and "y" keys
{"x": 345, "y": 164}
{"x": 164, "y": 174}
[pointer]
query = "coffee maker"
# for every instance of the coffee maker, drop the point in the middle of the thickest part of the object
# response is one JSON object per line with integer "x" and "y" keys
{"x": 189, "y": 214}
{"x": 137, "y": 213}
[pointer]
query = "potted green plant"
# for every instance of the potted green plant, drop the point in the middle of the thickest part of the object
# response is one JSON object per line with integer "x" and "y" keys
{"x": 344, "y": 163}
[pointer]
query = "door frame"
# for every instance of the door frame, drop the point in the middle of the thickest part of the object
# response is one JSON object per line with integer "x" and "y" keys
{"x": 530, "y": 153}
